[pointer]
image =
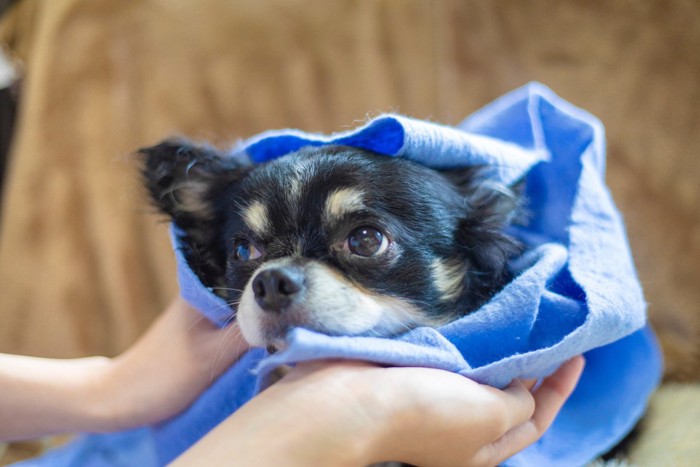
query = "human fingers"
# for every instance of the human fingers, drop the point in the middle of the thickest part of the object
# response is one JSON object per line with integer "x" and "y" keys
{"x": 549, "y": 398}
{"x": 517, "y": 404}
{"x": 522, "y": 403}
{"x": 529, "y": 383}
{"x": 554, "y": 391}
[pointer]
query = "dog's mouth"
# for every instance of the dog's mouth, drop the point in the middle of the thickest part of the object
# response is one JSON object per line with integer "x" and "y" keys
{"x": 277, "y": 345}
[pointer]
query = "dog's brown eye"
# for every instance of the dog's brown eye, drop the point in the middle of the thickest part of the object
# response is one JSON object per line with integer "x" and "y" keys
{"x": 366, "y": 241}
{"x": 243, "y": 250}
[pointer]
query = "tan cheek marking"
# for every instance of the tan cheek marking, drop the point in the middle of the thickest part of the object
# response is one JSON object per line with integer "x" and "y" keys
{"x": 343, "y": 201}
{"x": 363, "y": 310}
{"x": 448, "y": 277}
{"x": 255, "y": 216}
{"x": 400, "y": 316}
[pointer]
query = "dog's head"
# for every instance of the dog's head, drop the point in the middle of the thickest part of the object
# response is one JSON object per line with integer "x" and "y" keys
{"x": 335, "y": 239}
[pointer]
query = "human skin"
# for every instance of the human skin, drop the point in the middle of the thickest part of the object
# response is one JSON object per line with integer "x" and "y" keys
{"x": 321, "y": 413}
{"x": 162, "y": 373}
{"x": 351, "y": 413}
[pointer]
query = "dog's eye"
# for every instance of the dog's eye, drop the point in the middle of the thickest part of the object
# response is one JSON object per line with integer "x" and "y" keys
{"x": 366, "y": 241}
{"x": 243, "y": 250}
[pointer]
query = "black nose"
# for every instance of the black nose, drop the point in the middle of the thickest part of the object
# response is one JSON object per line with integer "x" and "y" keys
{"x": 276, "y": 288}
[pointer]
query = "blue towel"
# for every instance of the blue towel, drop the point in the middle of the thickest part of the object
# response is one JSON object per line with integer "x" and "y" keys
{"x": 576, "y": 290}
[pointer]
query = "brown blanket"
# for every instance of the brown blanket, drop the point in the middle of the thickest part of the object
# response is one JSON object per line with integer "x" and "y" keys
{"x": 84, "y": 266}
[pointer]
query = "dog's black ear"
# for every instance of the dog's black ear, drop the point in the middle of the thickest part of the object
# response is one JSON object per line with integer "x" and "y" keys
{"x": 488, "y": 201}
{"x": 186, "y": 182}
{"x": 184, "y": 179}
{"x": 489, "y": 208}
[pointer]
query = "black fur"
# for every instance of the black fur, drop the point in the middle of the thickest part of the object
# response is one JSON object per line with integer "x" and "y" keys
{"x": 455, "y": 215}
{"x": 174, "y": 171}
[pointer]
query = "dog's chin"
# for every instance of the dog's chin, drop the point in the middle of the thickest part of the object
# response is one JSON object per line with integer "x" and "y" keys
{"x": 248, "y": 317}
{"x": 263, "y": 329}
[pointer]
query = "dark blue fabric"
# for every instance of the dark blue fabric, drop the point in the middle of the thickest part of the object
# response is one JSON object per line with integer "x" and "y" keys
{"x": 224, "y": 397}
{"x": 576, "y": 290}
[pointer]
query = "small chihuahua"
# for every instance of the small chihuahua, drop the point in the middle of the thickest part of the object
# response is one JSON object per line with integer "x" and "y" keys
{"x": 335, "y": 239}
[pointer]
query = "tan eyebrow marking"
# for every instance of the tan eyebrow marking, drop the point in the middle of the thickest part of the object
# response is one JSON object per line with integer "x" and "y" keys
{"x": 343, "y": 201}
{"x": 294, "y": 193}
{"x": 255, "y": 216}
{"x": 299, "y": 176}
{"x": 448, "y": 277}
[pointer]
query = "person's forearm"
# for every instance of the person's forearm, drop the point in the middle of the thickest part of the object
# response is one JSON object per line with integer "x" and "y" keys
{"x": 45, "y": 396}
{"x": 312, "y": 421}
{"x": 159, "y": 375}
{"x": 252, "y": 439}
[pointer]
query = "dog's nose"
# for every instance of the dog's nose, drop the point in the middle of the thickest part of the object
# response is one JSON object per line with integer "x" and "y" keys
{"x": 277, "y": 288}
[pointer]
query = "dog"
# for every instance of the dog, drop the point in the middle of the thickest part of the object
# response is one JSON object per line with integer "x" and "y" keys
{"x": 335, "y": 239}
{"x": 339, "y": 240}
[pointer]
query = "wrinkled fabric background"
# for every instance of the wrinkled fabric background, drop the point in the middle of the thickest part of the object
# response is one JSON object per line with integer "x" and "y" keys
{"x": 84, "y": 264}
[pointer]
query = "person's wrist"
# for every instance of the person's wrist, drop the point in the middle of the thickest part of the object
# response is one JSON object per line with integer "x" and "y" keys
{"x": 332, "y": 405}
{"x": 91, "y": 392}
{"x": 116, "y": 396}
{"x": 370, "y": 421}
{"x": 394, "y": 419}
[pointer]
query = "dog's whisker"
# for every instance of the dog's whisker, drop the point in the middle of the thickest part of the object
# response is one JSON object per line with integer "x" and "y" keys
{"x": 226, "y": 288}
{"x": 223, "y": 341}
{"x": 221, "y": 307}
{"x": 196, "y": 321}
{"x": 403, "y": 326}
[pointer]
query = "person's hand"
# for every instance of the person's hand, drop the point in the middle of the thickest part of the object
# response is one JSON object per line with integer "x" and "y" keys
{"x": 177, "y": 358}
{"x": 442, "y": 419}
{"x": 351, "y": 413}
{"x": 166, "y": 369}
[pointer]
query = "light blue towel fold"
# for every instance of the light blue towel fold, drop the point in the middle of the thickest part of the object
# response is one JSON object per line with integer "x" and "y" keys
{"x": 576, "y": 290}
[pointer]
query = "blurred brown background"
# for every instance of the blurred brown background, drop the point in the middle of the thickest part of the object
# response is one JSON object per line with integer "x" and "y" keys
{"x": 85, "y": 265}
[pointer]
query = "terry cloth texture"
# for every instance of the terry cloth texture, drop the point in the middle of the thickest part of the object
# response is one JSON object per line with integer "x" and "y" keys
{"x": 576, "y": 290}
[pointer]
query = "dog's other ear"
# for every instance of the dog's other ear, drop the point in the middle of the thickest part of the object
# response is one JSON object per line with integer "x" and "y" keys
{"x": 185, "y": 179}
{"x": 186, "y": 182}
{"x": 489, "y": 207}
{"x": 490, "y": 202}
